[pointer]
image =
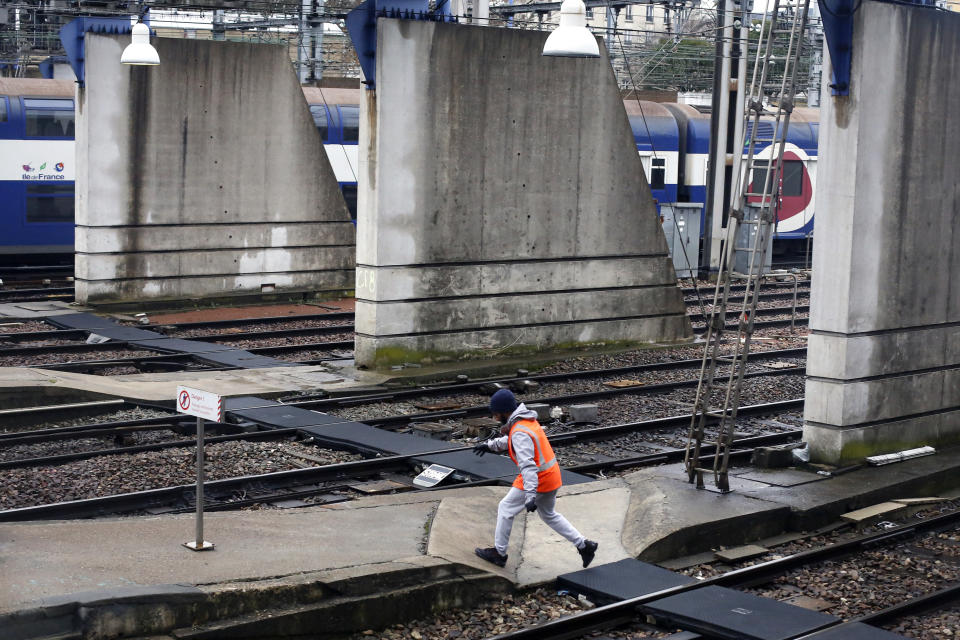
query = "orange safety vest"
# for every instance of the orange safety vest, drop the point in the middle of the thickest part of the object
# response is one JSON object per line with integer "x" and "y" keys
{"x": 548, "y": 471}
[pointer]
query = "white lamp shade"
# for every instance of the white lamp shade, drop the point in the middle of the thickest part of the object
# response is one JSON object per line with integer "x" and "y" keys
{"x": 572, "y": 39}
{"x": 140, "y": 51}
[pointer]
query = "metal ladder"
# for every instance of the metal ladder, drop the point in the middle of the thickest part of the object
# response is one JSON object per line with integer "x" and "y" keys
{"x": 779, "y": 44}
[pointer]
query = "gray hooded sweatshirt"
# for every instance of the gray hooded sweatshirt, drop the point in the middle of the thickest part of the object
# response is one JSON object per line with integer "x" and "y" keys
{"x": 523, "y": 449}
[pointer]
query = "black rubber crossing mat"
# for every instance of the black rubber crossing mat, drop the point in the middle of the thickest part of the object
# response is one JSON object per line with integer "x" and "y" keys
{"x": 241, "y": 359}
{"x": 621, "y": 580}
{"x": 489, "y": 466}
{"x": 854, "y": 631}
{"x": 727, "y": 613}
{"x": 209, "y": 352}
{"x": 363, "y": 437}
{"x": 85, "y": 321}
{"x": 280, "y": 416}
{"x": 102, "y": 326}
{"x": 178, "y": 345}
{"x": 248, "y": 402}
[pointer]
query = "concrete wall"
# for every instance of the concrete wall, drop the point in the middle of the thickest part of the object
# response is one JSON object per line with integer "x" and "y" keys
{"x": 202, "y": 177}
{"x": 502, "y": 204}
{"x": 884, "y": 351}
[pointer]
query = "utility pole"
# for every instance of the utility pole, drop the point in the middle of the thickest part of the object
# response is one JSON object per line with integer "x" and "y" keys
{"x": 726, "y": 125}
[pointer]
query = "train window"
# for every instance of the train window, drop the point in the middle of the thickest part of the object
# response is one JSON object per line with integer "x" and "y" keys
{"x": 658, "y": 173}
{"x": 758, "y": 182}
{"x": 350, "y": 116}
{"x": 792, "y": 178}
{"x": 3, "y": 108}
{"x": 319, "y": 113}
{"x": 49, "y": 118}
{"x": 50, "y": 202}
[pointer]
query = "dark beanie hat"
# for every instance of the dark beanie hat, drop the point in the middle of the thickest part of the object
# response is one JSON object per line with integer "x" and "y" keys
{"x": 503, "y": 402}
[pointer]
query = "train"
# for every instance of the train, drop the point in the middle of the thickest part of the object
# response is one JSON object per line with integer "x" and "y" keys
{"x": 37, "y": 169}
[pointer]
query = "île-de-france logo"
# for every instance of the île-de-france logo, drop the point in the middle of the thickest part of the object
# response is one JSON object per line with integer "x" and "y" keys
{"x": 59, "y": 167}
{"x": 27, "y": 167}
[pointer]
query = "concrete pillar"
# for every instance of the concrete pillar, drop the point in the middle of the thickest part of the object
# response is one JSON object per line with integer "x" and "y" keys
{"x": 203, "y": 177}
{"x": 884, "y": 351}
{"x": 502, "y": 205}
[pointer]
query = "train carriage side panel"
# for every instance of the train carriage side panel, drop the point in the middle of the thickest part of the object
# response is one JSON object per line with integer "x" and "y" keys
{"x": 658, "y": 143}
{"x": 694, "y": 129}
{"x": 336, "y": 113}
{"x": 796, "y": 182}
{"x": 37, "y": 166}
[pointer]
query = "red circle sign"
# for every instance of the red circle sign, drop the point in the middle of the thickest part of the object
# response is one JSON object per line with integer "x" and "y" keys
{"x": 184, "y": 400}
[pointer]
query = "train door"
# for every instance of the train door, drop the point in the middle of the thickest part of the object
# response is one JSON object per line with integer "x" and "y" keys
{"x": 792, "y": 189}
{"x": 48, "y": 174}
{"x": 11, "y": 189}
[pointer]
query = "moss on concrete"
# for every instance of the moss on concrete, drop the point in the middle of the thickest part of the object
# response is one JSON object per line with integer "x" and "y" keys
{"x": 388, "y": 356}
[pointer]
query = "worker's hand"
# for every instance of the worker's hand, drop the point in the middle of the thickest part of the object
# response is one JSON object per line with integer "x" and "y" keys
{"x": 482, "y": 448}
{"x": 531, "y": 505}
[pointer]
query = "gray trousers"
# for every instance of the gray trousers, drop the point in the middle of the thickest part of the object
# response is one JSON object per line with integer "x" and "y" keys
{"x": 513, "y": 503}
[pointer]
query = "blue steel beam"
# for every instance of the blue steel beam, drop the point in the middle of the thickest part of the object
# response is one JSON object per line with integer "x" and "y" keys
{"x": 837, "y": 18}
{"x": 72, "y": 36}
{"x": 362, "y": 26}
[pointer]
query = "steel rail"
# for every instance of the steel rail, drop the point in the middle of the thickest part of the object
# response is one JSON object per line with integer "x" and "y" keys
{"x": 483, "y": 410}
{"x": 277, "y": 333}
{"x": 170, "y": 329}
{"x": 920, "y": 604}
{"x": 56, "y": 334}
{"x": 465, "y": 387}
{"x": 44, "y": 291}
{"x": 336, "y": 315}
{"x": 161, "y": 422}
{"x": 185, "y": 358}
{"x": 741, "y": 287}
{"x": 140, "y": 448}
{"x": 625, "y": 611}
{"x": 119, "y": 503}
{"x": 40, "y": 435}
{"x": 139, "y": 500}
{"x": 16, "y": 417}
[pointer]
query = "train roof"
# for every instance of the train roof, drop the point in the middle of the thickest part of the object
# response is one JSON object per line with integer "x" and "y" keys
{"x": 38, "y": 87}
{"x": 654, "y": 128}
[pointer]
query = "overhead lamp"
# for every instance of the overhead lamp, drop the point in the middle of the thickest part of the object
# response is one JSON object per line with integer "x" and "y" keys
{"x": 572, "y": 39}
{"x": 140, "y": 51}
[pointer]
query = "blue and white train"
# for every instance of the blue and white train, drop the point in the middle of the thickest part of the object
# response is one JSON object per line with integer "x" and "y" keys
{"x": 37, "y": 168}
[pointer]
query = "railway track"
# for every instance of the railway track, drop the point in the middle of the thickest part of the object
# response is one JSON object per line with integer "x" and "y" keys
{"x": 293, "y": 484}
{"x": 49, "y": 353}
{"x": 911, "y": 540}
{"x": 34, "y": 294}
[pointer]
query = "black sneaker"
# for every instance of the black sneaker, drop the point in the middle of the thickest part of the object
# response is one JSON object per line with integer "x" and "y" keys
{"x": 589, "y": 550}
{"x": 490, "y": 554}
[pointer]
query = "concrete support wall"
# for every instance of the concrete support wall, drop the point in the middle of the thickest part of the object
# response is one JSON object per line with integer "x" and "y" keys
{"x": 203, "y": 177}
{"x": 502, "y": 204}
{"x": 884, "y": 351}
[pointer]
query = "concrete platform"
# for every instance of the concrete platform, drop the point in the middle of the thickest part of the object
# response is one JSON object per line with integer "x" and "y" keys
{"x": 38, "y": 309}
{"x": 652, "y": 514}
{"x": 45, "y": 385}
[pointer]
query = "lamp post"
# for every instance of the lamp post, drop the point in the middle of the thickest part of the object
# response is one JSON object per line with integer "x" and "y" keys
{"x": 572, "y": 39}
{"x": 140, "y": 51}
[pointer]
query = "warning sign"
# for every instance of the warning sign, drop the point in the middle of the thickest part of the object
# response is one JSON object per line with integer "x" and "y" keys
{"x": 202, "y": 404}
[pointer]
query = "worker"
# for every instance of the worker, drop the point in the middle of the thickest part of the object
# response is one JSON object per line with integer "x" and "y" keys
{"x": 535, "y": 488}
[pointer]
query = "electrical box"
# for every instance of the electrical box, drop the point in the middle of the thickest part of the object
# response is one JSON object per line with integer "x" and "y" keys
{"x": 746, "y": 233}
{"x": 681, "y": 228}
